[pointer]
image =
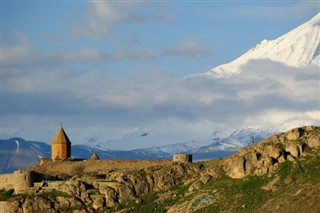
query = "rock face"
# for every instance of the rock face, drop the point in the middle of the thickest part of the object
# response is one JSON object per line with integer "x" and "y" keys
{"x": 117, "y": 188}
{"x": 92, "y": 194}
{"x": 314, "y": 141}
{"x": 238, "y": 167}
{"x": 266, "y": 155}
{"x": 294, "y": 134}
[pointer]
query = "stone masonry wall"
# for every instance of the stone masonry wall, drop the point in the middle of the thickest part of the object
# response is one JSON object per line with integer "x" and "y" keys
{"x": 19, "y": 180}
{"x": 183, "y": 158}
{"x": 7, "y": 181}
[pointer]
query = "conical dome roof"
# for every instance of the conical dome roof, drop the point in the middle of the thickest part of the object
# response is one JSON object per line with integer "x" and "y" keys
{"x": 94, "y": 157}
{"x": 61, "y": 137}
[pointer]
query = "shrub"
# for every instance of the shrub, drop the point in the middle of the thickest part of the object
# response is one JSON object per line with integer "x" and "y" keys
{"x": 5, "y": 195}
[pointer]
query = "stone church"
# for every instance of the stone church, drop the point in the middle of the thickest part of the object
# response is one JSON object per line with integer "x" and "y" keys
{"x": 60, "y": 146}
{"x": 61, "y": 149}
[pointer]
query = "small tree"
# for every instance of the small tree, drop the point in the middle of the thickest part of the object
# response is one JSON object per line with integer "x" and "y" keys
{"x": 252, "y": 140}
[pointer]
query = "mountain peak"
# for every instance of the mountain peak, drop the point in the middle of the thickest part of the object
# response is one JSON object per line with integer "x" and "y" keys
{"x": 315, "y": 20}
{"x": 298, "y": 48}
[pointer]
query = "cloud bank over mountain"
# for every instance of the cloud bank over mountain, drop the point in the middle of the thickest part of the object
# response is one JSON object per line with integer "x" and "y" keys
{"x": 78, "y": 87}
{"x": 266, "y": 94}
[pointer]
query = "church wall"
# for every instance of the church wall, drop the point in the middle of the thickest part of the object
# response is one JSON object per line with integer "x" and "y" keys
{"x": 60, "y": 150}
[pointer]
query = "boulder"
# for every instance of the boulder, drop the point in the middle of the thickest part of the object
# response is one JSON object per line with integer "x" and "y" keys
{"x": 308, "y": 128}
{"x": 314, "y": 141}
{"x": 74, "y": 202}
{"x": 111, "y": 197}
{"x": 179, "y": 169}
{"x": 281, "y": 159}
{"x": 139, "y": 183}
{"x": 164, "y": 180}
{"x": 62, "y": 202}
{"x": 293, "y": 149}
{"x": 196, "y": 185}
{"x": 294, "y": 134}
{"x": 150, "y": 181}
{"x": 13, "y": 206}
{"x": 125, "y": 194}
{"x": 205, "y": 178}
{"x": 73, "y": 187}
{"x": 274, "y": 152}
{"x": 290, "y": 158}
{"x": 261, "y": 171}
{"x": 214, "y": 172}
{"x": 36, "y": 204}
{"x": 237, "y": 169}
{"x": 79, "y": 211}
{"x": 98, "y": 201}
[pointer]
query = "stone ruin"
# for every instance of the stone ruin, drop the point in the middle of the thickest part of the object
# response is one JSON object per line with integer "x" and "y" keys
{"x": 182, "y": 158}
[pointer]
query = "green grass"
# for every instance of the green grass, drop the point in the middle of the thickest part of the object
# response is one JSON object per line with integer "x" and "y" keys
{"x": 247, "y": 195}
{"x": 148, "y": 204}
{"x": 237, "y": 193}
{"x": 54, "y": 194}
{"x": 5, "y": 195}
{"x": 178, "y": 192}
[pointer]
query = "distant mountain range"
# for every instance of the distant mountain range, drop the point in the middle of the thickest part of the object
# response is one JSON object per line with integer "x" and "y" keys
{"x": 19, "y": 153}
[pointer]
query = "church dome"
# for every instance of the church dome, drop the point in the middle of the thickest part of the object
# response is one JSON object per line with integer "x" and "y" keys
{"x": 61, "y": 137}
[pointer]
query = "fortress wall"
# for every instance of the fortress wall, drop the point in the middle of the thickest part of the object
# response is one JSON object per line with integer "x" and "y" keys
{"x": 7, "y": 181}
{"x": 23, "y": 180}
{"x": 19, "y": 180}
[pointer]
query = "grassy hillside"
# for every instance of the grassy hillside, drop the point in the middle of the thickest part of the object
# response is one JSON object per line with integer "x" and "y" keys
{"x": 293, "y": 187}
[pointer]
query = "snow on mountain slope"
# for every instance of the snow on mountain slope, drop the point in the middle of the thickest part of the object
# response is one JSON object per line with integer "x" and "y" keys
{"x": 298, "y": 48}
{"x": 234, "y": 140}
{"x": 173, "y": 148}
{"x": 17, "y": 153}
{"x": 220, "y": 141}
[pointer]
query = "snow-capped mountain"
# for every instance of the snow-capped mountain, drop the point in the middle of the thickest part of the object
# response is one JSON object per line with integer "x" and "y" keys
{"x": 17, "y": 153}
{"x": 172, "y": 148}
{"x": 108, "y": 139}
{"x": 123, "y": 139}
{"x": 298, "y": 48}
{"x": 128, "y": 141}
{"x": 234, "y": 140}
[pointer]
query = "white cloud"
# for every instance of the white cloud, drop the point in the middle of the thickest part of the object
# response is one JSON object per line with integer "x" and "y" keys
{"x": 101, "y": 15}
{"x": 19, "y": 51}
{"x": 84, "y": 54}
{"x": 264, "y": 94}
{"x": 314, "y": 114}
{"x": 189, "y": 48}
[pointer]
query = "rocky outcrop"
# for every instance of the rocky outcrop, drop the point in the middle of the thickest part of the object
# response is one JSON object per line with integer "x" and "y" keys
{"x": 266, "y": 155}
{"x": 116, "y": 188}
{"x": 294, "y": 134}
{"x": 97, "y": 193}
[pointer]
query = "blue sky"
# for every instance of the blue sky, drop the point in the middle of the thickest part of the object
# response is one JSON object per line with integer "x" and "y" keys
{"x": 179, "y": 37}
{"x": 120, "y": 64}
